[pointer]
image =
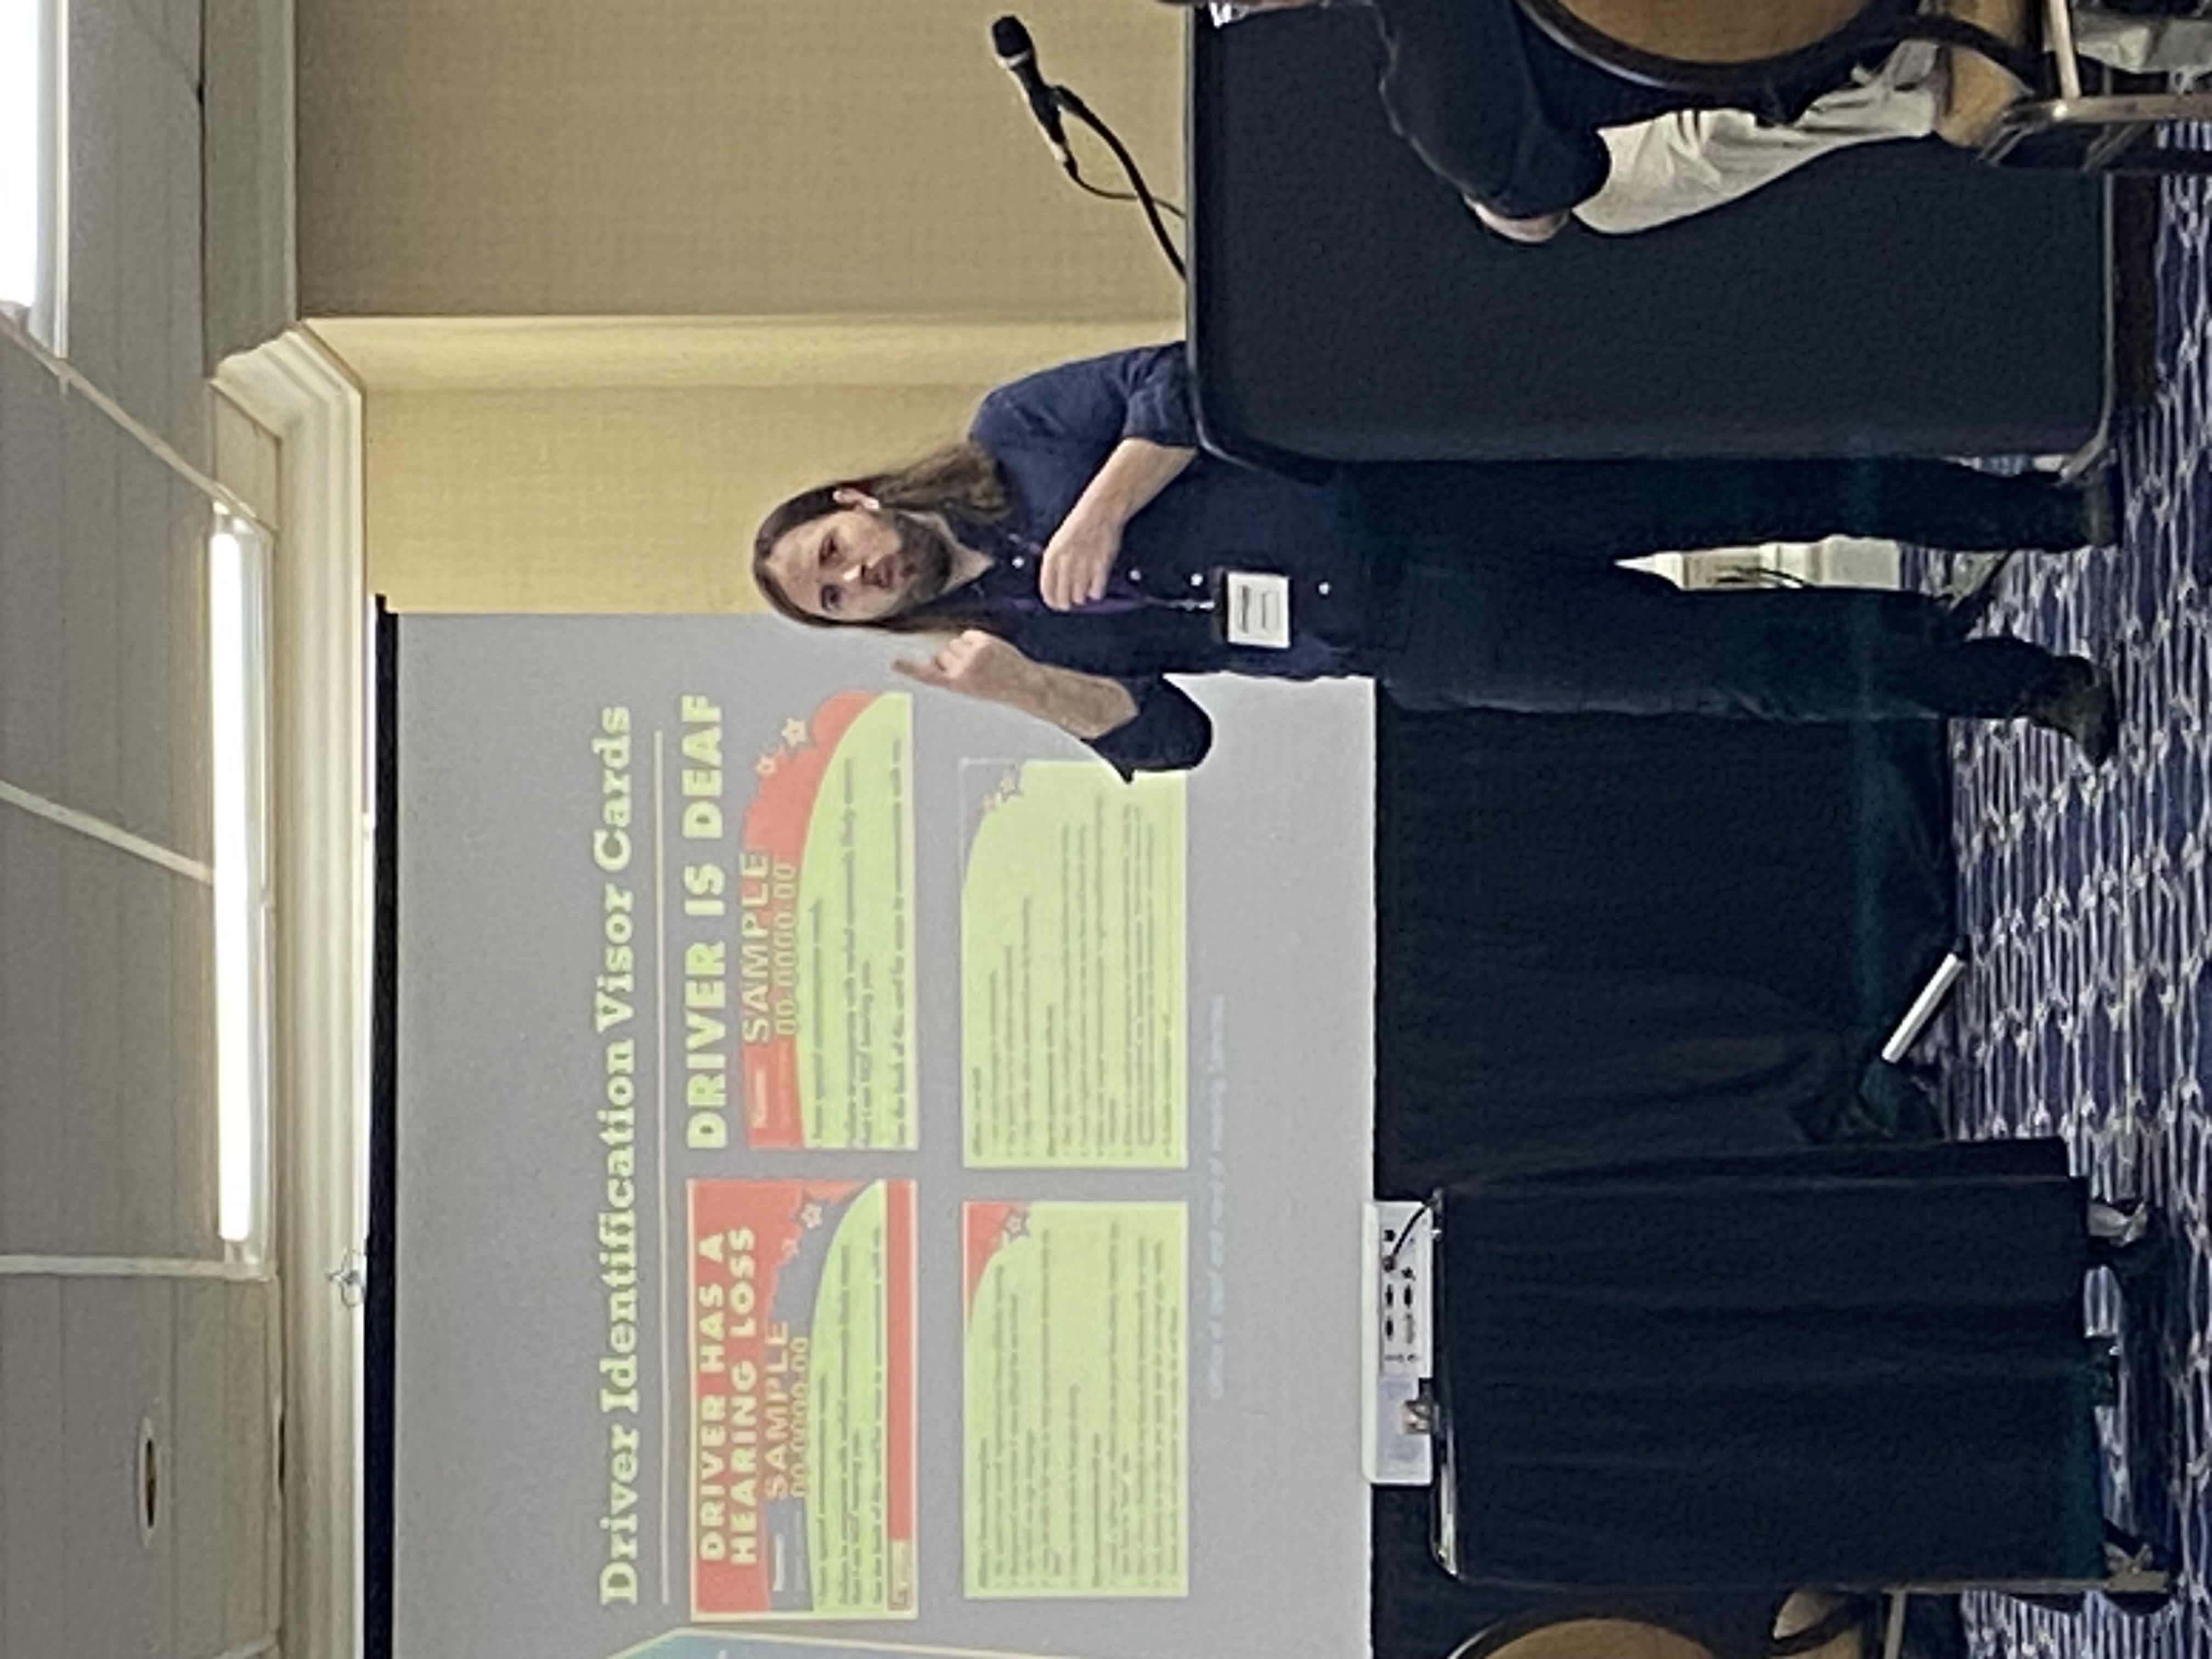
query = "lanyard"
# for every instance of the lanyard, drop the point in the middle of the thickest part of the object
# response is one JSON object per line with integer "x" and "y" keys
{"x": 1118, "y": 599}
{"x": 1029, "y": 605}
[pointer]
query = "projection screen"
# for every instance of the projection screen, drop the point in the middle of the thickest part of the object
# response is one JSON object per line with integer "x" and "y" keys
{"x": 868, "y": 1178}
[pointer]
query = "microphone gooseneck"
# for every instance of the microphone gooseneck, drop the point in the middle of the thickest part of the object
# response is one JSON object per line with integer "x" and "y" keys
{"x": 1017, "y": 55}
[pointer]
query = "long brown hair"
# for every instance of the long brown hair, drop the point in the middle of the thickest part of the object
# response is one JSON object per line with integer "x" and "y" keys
{"x": 960, "y": 479}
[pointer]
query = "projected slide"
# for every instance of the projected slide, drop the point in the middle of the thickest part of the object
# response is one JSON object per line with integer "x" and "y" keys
{"x": 802, "y": 1399}
{"x": 1075, "y": 1416}
{"x": 868, "y": 1179}
{"x": 1073, "y": 1026}
{"x": 825, "y": 936}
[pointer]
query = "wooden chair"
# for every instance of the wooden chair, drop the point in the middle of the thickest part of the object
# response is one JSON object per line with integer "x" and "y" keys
{"x": 1771, "y": 54}
{"x": 1844, "y": 1635}
{"x": 1581, "y": 1637}
{"x": 2111, "y": 127}
{"x": 1606, "y": 1635}
{"x": 1723, "y": 49}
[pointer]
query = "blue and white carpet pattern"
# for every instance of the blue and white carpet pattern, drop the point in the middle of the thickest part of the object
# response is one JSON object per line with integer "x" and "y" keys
{"x": 2087, "y": 1010}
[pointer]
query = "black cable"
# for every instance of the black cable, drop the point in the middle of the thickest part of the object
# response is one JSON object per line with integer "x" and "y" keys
{"x": 1075, "y": 107}
{"x": 1427, "y": 1212}
{"x": 1105, "y": 195}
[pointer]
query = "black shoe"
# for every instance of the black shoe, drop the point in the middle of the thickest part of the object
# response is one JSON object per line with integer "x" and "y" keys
{"x": 2104, "y": 508}
{"x": 1965, "y": 607}
{"x": 2081, "y": 705}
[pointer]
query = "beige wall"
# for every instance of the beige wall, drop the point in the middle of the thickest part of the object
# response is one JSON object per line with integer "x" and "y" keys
{"x": 720, "y": 158}
{"x": 609, "y": 498}
{"x": 399, "y": 354}
{"x": 615, "y": 277}
{"x": 493, "y": 484}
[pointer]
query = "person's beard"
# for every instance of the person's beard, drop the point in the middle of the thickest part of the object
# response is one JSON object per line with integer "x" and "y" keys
{"x": 927, "y": 553}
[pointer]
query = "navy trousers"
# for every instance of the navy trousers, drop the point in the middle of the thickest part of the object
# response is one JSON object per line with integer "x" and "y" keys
{"x": 1596, "y": 512}
{"x": 1505, "y": 595}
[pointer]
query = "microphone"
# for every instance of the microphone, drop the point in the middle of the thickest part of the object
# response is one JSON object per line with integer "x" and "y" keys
{"x": 1017, "y": 55}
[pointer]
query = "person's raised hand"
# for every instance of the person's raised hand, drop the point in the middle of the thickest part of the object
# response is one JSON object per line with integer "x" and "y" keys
{"x": 974, "y": 664}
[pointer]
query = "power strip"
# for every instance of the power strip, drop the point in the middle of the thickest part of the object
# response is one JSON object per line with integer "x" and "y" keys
{"x": 1395, "y": 1298}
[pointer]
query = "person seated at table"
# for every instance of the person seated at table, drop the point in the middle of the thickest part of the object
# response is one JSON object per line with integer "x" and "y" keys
{"x": 1531, "y": 135}
{"x": 1078, "y": 548}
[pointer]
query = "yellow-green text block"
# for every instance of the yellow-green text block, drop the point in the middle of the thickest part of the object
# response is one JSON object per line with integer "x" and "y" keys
{"x": 1075, "y": 1418}
{"x": 856, "y": 1055}
{"x": 1073, "y": 970}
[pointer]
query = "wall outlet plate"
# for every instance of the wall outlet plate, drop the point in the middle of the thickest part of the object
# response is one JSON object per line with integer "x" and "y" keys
{"x": 1395, "y": 1298}
{"x": 1400, "y": 1260}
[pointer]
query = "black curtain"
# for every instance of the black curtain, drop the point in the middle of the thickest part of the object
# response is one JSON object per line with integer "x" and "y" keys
{"x": 1850, "y": 1366}
{"x": 1602, "y": 939}
{"x": 1599, "y": 937}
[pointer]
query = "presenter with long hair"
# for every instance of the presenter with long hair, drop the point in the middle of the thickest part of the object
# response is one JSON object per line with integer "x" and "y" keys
{"x": 1078, "y": 547}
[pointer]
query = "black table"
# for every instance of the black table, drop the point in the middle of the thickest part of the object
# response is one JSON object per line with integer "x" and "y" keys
{"x": 1849, "y": 1367}
{"x": 1602, "y": 939}
{"x": 1900, "y": 299}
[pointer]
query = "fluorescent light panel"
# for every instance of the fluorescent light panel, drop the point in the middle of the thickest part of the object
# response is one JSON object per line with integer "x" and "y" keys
{"x": 23, "y": 126}
{"x": 233, "y": 668}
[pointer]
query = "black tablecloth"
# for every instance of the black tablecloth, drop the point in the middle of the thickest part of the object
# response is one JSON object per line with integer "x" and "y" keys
{"x": 1599, "y": 937}
{"x": 1343, "y": 306}
{"x": 1602, "y": 939}
{"x": 1845, "y": 1366}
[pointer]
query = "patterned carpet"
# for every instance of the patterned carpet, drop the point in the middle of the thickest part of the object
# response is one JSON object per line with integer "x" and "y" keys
{"x": 2088, "y": 1009}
